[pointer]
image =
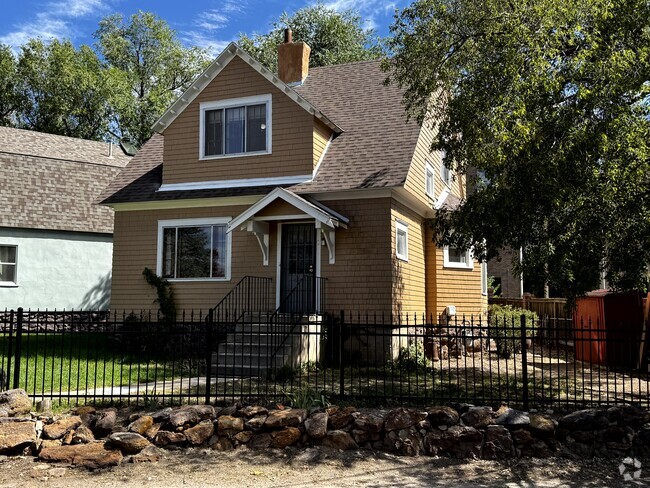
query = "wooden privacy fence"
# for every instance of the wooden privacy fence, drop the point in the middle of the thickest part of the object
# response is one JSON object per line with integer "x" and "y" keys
{"x": 543, "y": 307}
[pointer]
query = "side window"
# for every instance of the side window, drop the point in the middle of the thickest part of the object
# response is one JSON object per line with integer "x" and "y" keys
{"x": 429, "y": 181}
{"x": 457, "y": 258}
{"x": 401, "y": 241}
{"x": 8, "y": 265}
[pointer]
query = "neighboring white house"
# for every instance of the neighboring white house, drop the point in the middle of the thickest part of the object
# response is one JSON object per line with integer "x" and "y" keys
{"x": 56, "y": 246}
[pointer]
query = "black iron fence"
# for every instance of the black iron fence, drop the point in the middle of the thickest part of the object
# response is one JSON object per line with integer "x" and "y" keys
{"x": 374, "y": 359}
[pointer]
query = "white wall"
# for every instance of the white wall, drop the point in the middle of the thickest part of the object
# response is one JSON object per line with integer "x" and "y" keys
{"x": 62, "y": 270}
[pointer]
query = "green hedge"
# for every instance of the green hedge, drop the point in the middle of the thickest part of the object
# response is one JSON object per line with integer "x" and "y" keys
{"x": 505, "y": 327}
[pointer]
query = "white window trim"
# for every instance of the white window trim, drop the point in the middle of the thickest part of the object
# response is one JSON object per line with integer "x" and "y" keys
{"x": 444, "y": 168}
{"x": 193, "y": 223}
{"x": 484, "y": 278}
{"x": 402, "y": 226}
{"x": 11, "y": 284}
{"x": 453, "y": 264}
{"x": 230, "y": 103}
{"x": 429, "y": 169}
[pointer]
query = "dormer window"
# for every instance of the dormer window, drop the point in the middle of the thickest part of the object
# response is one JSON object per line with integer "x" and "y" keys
{"x": 237, "y": 127}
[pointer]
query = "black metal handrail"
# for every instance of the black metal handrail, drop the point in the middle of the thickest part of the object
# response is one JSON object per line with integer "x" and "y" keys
{"x": 295, "y": 306}
{"x": 252, "y": 294}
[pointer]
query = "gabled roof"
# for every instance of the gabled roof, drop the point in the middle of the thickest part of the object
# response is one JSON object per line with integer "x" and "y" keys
{"x": 319, "y": 212}
{"x": 211, "y": 73}
{"x": 51, "y": 182}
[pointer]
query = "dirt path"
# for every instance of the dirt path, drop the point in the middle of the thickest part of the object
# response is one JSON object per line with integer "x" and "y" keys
{"x": 317, "y": 467}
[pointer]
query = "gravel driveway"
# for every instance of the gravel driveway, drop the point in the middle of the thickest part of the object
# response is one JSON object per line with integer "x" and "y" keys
{"x": 317, "y": 467}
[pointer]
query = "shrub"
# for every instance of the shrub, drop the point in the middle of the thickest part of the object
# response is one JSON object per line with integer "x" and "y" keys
{"x": 505, "y": 327}
{"x": 412, "y": 358}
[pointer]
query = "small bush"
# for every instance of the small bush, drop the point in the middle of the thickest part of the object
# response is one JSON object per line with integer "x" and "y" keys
{"x": 306, "y": 398}
{"x": 412, "y": 358}
{"x": 505, "y": 327}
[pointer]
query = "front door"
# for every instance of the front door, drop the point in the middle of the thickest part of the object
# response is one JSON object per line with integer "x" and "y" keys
{"x": 298, "y": 268}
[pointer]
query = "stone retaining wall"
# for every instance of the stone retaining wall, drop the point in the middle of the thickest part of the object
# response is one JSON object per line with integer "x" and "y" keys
{"x": 99, "y": 438}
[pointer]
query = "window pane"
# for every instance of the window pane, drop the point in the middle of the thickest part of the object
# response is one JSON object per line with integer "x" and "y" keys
{"x": 401, "y": 243}
{"x": 235, "y": 130}
{"x": 429, "y": 182}
{"x": 256, "y": 128}
{"x": 193, "y": 252}
{"x": 8, "y": 254}
{"x": 169, "y": 253}
{"x": 8, "y": 272}
{"x": 457, "y": 255}
{"x": 213, "y": 132}
{"x": 219, "y": 251}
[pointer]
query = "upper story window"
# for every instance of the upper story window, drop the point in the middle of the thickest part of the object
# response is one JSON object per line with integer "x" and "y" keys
{"x": 194, "y": 249}
{"x": 236, "y": 127}
{"x": 429, "y": 181}
{"x": 457, "y": 258}
{"x": 8, "y": 262}
{"x": 445, "y": 172}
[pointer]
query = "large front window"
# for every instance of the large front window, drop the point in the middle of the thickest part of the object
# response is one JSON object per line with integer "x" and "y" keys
{"x": 194, "y": 250}
{"x": 236, "y": 127}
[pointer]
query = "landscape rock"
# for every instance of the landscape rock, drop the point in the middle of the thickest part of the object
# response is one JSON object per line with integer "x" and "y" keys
{"x": 150, "y": 454}
{"x": 316, "y": 425}
{"x": 498, "y": 443}
{"x": 285, "y": 418}
{"x": 361, "y": 436}
{"x": 128, "y": 442}
{"x": 628, "y": 415}
{"x": 200, "y": 433}
{"x": 85, "y": 410}
{"x": 443, "y": 416}
{"x": 61, "y": 427}
{"x": 82, "y": 435}
{"x": 141, "y": 425}
{"x": 104, "y": 423}
{"x": 162, "y": 416}
{"x": 513, "y": 418}
{"x": 191, "y": 414}
{"x": 152, "y": 431}
{"x": 166, "y": 438}
{"x": 285, "y": 437}
{"x": 339, "y": 439}
{"x": 479, "y": 417}
{"x": 403, "y": 418}
{"x": 260, "y": 441}
{"x": 256, "y": 423}
{"x": 341, "y": 418}
{"x": 457, "y": 441}
{"x": 228, "y": 423}
{"x": 243, "y": 436}
{"x": 230, "y": 410}
{"x": 542, "y": 424}
{"x": 369, "y": 423}
{"x": 590, "y": 419}
{"x": 92, "y": 456}
{"x": 15, "y": 402}
{"x": 253, "y": 411}
{"x": 15, "y": 436}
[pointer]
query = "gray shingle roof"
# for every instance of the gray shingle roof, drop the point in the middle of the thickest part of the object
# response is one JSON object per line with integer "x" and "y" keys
{"x": 375, "y": 150}
{"x": 51, "y": 182}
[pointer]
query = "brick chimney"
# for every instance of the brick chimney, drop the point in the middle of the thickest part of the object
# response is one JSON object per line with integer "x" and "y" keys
{"x": 293, "y": 60}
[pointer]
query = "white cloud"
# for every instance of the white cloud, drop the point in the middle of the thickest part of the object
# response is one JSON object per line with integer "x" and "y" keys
{"x": 212, "y": 20}
{"x": 54, "y": 21}
{"x": 204, "y": 41}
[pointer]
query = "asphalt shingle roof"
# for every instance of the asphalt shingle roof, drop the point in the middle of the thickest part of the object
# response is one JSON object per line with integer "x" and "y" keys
{"x": 374, "y": 151}
{"x": 51, "y": 182}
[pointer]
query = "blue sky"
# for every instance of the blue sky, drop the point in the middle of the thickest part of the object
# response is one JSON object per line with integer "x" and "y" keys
{"x": 206, "y": 23}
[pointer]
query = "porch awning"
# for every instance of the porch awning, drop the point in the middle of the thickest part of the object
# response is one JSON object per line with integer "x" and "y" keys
{"x": 327, "y": 220}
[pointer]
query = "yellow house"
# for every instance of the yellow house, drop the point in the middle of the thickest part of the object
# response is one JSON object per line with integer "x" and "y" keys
{"x": 306, "y": 176}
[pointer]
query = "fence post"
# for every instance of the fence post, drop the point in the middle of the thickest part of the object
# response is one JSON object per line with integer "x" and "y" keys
{"x": 10, "y": 351}
{"x": 341, "y": 367}
{"x": 524, "y": 362}
{"x": 208, "y": 354}
{"x": 19, "y": 340}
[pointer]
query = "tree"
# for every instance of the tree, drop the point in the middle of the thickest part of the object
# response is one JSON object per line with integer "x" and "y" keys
{"x": 151, "y": 68}
{"x": 334, "y": 37}
{"x": 61, "y": 90}
{"x": 10, "y": 99}
{"x": 550, "y": 100}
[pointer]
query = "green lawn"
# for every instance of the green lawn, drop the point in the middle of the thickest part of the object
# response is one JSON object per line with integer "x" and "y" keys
{"x": 61, "y": 363}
